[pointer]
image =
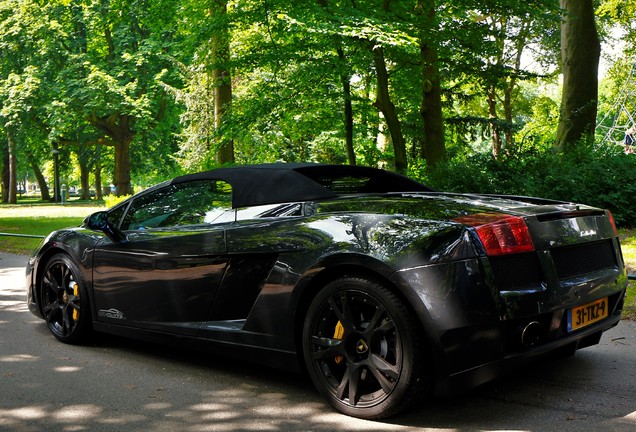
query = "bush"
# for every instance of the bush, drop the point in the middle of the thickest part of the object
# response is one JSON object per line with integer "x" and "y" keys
{"x": 112, "y": 200}
{"x": 601, "y": 177}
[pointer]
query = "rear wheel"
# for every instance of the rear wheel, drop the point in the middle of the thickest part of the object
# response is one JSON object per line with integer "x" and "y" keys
{"x": 363, "y": 350}
{"x": 64, "y": 300}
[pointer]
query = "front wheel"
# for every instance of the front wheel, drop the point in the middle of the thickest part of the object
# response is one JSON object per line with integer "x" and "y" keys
{"x": 64, "y": 301}
{"x": 363, "y": 350}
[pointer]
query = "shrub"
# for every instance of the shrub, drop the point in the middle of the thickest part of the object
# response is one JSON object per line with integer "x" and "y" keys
{"x": 112, "y": 200}
{"x": 602, "y": 177}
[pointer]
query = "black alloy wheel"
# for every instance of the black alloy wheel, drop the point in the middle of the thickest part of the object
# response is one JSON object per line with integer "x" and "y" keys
{"x": 363, "y": 350}
{"x": 64, "y": 301}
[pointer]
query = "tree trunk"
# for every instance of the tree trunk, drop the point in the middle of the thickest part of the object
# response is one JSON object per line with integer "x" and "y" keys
{"x": 387, "y": 108}
{"x": 13, "y": 176}
{"x": 222, "y": 80}
{"x": 119, "y": 129}
{"x": 580, "y": 53}
{"x": 434, "y": 146}
{"x": 98, "y": 177}
{"x": 508, "y": 116}
{"x": 345, "y": 79}
{"x": 520, "y": 44}
{"x": 44, "y": 188}
{"x": 5, "y": 177}
{"x": 122, "y": 168}
{"x": 492, "y": 117}
{"x": 84, "y": 180}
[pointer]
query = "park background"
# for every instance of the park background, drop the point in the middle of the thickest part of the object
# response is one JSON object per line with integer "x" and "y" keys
{"x": 530, "y": 98}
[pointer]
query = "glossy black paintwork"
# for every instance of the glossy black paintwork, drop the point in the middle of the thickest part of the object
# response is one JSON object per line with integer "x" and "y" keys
{"x": 247, "y": 283}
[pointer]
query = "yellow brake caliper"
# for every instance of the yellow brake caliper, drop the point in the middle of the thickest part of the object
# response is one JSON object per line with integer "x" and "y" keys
{"x": 339, "y": 334}
{"x": 76, "y": 294}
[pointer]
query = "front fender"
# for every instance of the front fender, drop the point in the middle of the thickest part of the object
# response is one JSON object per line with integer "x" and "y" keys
{"x": 77, "y": 243}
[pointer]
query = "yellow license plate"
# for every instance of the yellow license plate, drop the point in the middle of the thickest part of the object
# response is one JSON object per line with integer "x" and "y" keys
{"x": 587, "y": 314}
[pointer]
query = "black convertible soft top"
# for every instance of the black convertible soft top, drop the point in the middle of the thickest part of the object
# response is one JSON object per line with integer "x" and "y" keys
{"x": 293, "y": 182}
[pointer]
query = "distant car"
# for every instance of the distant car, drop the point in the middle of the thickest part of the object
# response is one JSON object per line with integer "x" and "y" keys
{"x": 384, "y": 290}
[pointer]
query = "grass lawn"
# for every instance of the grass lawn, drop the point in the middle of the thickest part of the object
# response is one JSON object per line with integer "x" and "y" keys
{"x": 41, "y": 219}
{"x": 628, "y": 245}
{"x": 37, "y": 220}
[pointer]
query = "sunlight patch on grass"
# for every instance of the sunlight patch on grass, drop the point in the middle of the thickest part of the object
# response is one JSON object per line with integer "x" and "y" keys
{"x": 37, "y": 220}
{"x": 628, "y": 246}
{"x": 51, "y": 211}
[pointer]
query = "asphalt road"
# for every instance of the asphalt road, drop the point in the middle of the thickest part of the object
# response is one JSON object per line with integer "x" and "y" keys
{"x": 121, "y": 385}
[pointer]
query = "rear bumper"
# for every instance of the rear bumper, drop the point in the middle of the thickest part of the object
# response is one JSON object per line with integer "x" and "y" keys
{"x": 459, "y": 382}
{"x": 475, "y": 332}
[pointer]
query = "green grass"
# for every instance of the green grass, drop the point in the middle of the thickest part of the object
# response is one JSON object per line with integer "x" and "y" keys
{"x": 37, "y": 220}
{"x": 628, "y": 245}
{"x": 42, "y": 218}
{"x": 30, "y": 226}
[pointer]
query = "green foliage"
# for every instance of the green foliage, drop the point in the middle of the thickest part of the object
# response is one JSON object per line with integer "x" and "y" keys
{"x": 83, "y": 73}
{"x": 112, "y": 200}
{"x": 628, "y": 246}
{"x": 599, "y": 177}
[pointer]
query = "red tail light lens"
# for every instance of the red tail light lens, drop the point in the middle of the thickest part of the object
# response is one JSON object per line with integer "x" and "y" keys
{"x": 612, "y": 221}
{"x": 500, "y": 233}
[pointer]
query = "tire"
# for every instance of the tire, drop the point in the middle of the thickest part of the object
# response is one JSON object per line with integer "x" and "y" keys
{"x": 64, "y": 300}
{"x": 363, "y": 349}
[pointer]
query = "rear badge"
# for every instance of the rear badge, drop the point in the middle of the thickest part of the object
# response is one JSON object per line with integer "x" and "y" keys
{"x": 111, "y": 313}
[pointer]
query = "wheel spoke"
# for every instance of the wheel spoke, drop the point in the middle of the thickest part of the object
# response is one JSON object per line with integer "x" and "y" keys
{"x": 354, "y": 380}
{"x": 386, "y": 328}
{"x": 341, "y": 306}
{"x": 381, "y": 365}
{"x": 342, "y": 386}
{"x": 348, "y": 386}
{"x": 377, "y": 316}
{"x": 384, "y": 372}
{"x": 67, "y": 322}
{"x": 66, "y": 274}
{"x": 74, "y": 306}
{"x": 333, "y": 348}
{"x": 50, "y": 308}
{"x": 50, "y": 282}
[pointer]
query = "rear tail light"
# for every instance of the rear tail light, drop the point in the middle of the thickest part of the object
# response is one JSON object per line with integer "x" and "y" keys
{"x": 613, "y": 222}
{"x": 500, "y": 234}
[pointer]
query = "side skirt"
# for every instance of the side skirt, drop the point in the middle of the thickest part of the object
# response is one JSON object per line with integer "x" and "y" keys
{"x": 278, "y": 359}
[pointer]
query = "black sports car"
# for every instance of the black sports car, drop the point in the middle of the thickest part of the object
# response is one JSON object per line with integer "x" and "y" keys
{"x": 382, "y": 289}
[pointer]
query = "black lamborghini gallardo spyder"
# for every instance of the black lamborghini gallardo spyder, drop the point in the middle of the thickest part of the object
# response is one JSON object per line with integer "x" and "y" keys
{"x": 382, "y": 289}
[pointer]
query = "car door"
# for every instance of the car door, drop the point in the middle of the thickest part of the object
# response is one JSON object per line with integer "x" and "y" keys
{"x": 166, "y": 274}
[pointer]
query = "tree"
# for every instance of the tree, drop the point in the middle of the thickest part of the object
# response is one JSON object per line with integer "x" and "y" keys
{"x": 221, "y": 77}
{"x": 580, "y": 54}
{"x": 19, "y": 81}
{"x": 433, "y": 148}
{"x": 386, "y": 106}
{"x": 116, "y": 55}
{"x": 6, "y": 177}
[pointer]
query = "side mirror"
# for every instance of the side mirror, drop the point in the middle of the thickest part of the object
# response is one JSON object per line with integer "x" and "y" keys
{"x": 99, "y": 222}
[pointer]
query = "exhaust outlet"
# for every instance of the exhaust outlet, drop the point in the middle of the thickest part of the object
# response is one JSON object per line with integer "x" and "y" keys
{"x": 531, "y": 334}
